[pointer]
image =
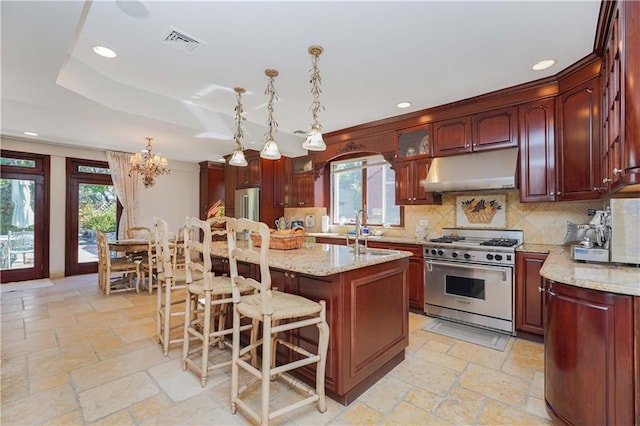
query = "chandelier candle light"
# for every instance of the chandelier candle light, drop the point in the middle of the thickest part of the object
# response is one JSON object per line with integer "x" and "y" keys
{"x": 148, "y": 164}
{"x": 314, "y": 140}
{"x": 270, "y": 150}
{"x": 237, "y": 158}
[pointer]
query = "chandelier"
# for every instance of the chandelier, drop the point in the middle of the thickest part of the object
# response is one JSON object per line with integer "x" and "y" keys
{"x": 237, "y": 158}
{"x": 314, "y": 140}
{"x": 148, "y": 164}
{"x": 270, "y": 149}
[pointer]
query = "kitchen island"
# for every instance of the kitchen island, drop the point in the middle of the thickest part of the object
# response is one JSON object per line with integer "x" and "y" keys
{"x": 367, "y": 308}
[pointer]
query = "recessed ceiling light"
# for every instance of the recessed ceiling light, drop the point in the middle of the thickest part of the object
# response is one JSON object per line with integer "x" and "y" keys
{"x": 543, "y": 65}
{"x": 403, "y": 104}
{"x": 30, "y": 133}
{"x": 104, "y": 51}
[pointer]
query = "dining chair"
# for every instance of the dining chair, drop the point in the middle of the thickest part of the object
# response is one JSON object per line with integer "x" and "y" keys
{"x": 208, "y": 299}
{"x": 171, "y": 278}
{"x": 122, "y": 267}
{"x": 148, "y": 258}
{"x": 278, "y": 312}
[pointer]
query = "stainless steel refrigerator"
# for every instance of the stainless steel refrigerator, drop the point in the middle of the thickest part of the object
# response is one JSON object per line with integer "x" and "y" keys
{"x": 247, "y": 204}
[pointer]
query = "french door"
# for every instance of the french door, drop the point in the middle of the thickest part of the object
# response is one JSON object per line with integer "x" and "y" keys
{"x": 24, "y": 208}
{"x": 92, "y": 205}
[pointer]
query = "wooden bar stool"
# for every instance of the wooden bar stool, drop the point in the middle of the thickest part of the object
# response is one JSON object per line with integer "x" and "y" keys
{"x": 278, "y": 312}
{"x": 207, "y": 299}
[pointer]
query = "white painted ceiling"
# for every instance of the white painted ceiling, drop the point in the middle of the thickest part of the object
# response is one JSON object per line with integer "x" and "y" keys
{"x": 376, "y": 54}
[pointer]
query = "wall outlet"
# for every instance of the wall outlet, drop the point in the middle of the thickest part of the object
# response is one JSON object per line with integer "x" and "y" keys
{"x": 424, "y": 222}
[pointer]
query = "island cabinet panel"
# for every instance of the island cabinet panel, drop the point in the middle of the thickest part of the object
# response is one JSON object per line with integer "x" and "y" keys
{"x": 579, "y": 153}
{"x": 589, "y": 350}
{"x": 529, "y": 293}
{"x": 416, "y": 271}
{"x": 537, "y": 151}
{"x": 452, "y": 137}
{"x": 495, "y": 129}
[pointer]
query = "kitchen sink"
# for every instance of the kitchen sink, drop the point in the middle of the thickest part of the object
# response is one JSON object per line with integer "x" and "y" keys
{"x": 373, "y": 252}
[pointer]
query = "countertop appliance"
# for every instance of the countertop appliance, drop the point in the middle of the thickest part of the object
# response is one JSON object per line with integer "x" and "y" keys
{"x": 613, "y": 235}
{"x": 469, "y": 277}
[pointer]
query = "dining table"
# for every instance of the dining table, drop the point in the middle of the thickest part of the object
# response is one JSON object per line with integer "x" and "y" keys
{"x": 129, "y": 245}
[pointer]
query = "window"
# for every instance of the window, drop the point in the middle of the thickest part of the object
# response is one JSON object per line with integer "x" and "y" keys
{"x": 364, "y": 183}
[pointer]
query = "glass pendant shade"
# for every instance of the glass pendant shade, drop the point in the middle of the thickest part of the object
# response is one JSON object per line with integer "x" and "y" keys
{"x": 237, "y": 158}
{"x": 270, "y": 150}
{"x": 314, "y": 141}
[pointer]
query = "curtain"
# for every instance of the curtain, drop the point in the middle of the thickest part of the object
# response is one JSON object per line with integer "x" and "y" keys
{"x": 126, "y": 189}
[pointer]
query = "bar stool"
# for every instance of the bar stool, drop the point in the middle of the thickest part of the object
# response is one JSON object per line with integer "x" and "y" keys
{"x": 278, "y": 312}
{"x": 170, "y": 278}
{"x": 207, "y": 298}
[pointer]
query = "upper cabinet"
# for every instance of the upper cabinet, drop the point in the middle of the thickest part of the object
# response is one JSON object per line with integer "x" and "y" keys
{"x": 302, "y": 184}
{"x": 621, "y": 97}
{"x": 578, "y": 148}
{"x": 414, "y": 141}
{"x": 249, "y": 176}
{"x": 452, "y": 136}
{"x": 495, "y": 129}
{"x": 409, "y": 191}
{"x": 479, "y": 132}
{"x": 282, "y": 182}
{"x": 537, "y": 151}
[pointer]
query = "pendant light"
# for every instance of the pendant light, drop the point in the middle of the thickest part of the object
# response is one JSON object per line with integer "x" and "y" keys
{"x": 314, "y": 140}
{"x": 237, "y": 157}
{"x": 270, "y": 150}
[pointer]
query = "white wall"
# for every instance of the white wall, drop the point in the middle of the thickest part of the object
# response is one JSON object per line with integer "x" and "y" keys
{"x": 172, "y": 198}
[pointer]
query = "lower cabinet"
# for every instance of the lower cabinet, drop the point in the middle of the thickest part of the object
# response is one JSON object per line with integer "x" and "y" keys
{"x": 589, "y": 356}
{"x": 529, "y": 308}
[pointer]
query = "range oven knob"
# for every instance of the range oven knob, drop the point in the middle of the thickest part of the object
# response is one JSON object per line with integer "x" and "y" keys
{"x": 440, "y": 252}
{"x": 467, "y": 255}
{"x": 489, "y": 256}
{"x": 498, "y": 257}
{"x": 434, "y": 252}
{"x": 454, "y": 254}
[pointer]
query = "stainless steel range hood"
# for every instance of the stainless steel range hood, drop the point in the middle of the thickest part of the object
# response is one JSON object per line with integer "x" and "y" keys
{"x": 473, "y": 172}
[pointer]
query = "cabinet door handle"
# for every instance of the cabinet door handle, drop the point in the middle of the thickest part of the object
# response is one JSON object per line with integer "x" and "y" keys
{"x": 540, "y": 289}
{"x": 559, "y": 193}
{"x": 606, "y": 180}
{"x": 475, "y": 144}
{"x": 551, "y": 193}
{"x": 616, "y": 170}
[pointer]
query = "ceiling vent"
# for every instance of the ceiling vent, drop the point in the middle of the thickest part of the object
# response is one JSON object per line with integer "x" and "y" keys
{"x": 181, "y": 41}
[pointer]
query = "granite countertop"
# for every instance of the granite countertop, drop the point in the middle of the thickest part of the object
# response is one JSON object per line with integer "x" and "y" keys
{"x": 382, "y": 238}
{"x": 319, "y": 259}
{"x": 560, "y": 267}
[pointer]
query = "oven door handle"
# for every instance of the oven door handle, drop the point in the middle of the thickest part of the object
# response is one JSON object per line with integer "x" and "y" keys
{"x": 430, "y": 263}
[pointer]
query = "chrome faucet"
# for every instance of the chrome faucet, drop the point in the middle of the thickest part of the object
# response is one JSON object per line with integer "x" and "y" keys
{"x": 361, "y": 219}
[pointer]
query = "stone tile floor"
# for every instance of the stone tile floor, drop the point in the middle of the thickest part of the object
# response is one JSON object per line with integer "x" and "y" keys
{"x": 71, "y": 356}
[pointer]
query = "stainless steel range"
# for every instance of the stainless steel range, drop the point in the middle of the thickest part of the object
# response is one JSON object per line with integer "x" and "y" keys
{"x": 469, "y": 277}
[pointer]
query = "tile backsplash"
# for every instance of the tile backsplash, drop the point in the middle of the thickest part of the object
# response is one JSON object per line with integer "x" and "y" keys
{"x": 542, "y": 223}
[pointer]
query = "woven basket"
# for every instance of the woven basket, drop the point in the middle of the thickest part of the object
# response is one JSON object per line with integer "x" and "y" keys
{"x": 480, "y": 217}
{"x": 280, "y": 242}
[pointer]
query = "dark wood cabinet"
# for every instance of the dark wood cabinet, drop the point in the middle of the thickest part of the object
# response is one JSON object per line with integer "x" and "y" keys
{"x": 578, "y": 149}
{"x": 495, "y": 129}
{"x": 529, "y": 293}
{"x": 416, "y": 271}
{"x": 409, "y": 191}
{"x": 303, "y": 181}
{"x": 282, "y": 176}
{"x": 621, "y": 97}
{"x": 452, "y": 136}
{"x": 537, "y": 151}
{"x": 589, "y": 350}
{"x": 414, "y": 142}
{"x": 249, "y": 176}
{"x": 230, "y": 175}
{"x": 212, "y": 186}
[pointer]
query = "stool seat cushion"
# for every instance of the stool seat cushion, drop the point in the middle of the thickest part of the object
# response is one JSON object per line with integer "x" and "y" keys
{"x": 285, "y": 306}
